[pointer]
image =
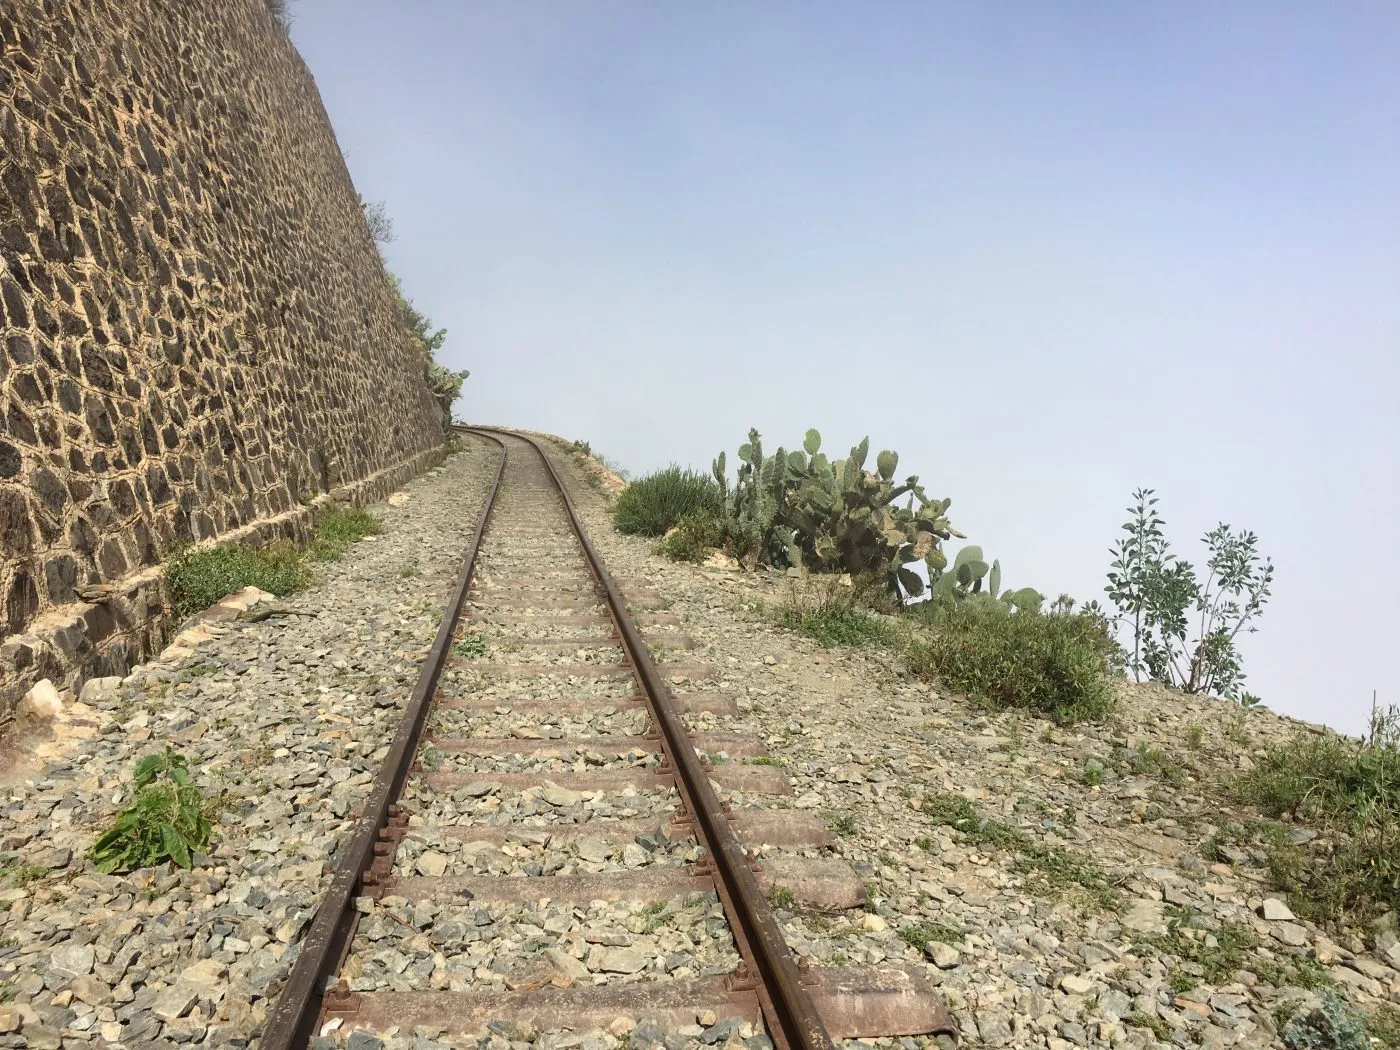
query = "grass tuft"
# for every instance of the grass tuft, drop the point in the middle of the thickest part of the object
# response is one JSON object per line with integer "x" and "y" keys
{"x": 920, "y": 933}
{"x": 339, "y": 527}
{"x": 833, "y": 618}
{"x": 1052, "y": 868}
{"x": 199, "y": 576}
{"x": 655, "y": 504}
{"x": 843, "y": 824}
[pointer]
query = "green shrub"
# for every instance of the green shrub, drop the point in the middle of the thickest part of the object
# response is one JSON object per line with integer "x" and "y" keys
{"x": 920, "y": 933}
{"x": 470, "y": 647}
{"x": 843, "y": 824}
{"x": 1384, "y": 1026}
{"x": 199, "y": 576}
{"x": 1057, "y": 664}
{"x": 694, "y": 538}
{"x": 167, "y": 820}
{"x": 833, "y": 619}
{"x": 655, "y": 504}
{"x": 338, "y": 527}
{"x": 1349, "y": 790}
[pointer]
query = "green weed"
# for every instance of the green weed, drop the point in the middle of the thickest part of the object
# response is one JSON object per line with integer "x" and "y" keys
{"x": 1153, "y": 761}
{"x": 1332, "y": 1026}
{"x": 470, "y": 647}
{"x": 1052, "y": 867}
{"x": 843, "y": 824}
{"x": 21, "y": 875}
{"x": 1350, "y": 791}
{"x": 694, "y": 537}
{"x": 167, "y": 820}
{"x": 832, "y": 621}
{"x": 1219, "y": 952}
{"x": 1384, "y": 1026}
{"x": 919, "y": 934}
{"x": 781, "y": 897}
{"x": 1158, "y": 1027}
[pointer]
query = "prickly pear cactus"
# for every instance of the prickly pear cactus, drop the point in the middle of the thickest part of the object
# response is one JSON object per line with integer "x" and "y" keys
{"x": 834, "y": 516}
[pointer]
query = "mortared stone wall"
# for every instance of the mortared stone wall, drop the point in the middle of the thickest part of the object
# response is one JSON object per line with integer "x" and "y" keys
{"x": 196, "y": 330}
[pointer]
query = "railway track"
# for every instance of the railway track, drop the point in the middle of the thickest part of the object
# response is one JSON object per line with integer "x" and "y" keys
{"x": 548, "y": 845}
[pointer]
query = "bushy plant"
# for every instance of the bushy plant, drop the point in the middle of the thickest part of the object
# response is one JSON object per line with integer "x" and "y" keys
{"x": 1349, "y": 789}
{"x": 1159, "y": 597}
{"x": 694, "y": 537}
{"x": 197, "y": 577}
{"x": 802, "y": 509}
{"x": 1057, "y": 663}
{"x": 655, "y": 504}
{"x": 168, "y": 819}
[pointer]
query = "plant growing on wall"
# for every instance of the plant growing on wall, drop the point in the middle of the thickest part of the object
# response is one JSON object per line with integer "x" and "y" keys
{"x": 445, "y": 384}
{"x": 1163, "y": 601}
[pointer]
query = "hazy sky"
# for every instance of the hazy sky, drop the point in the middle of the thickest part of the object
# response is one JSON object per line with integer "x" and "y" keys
{"x": 1048, "y": 252}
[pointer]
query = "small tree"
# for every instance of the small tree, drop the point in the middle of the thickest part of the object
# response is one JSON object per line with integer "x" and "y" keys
{"x": 1157, "y": 593}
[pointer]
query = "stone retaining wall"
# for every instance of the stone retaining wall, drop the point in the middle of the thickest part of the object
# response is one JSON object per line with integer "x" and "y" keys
{"x": 196, "y": 330}
{"x": 128, "y": 622}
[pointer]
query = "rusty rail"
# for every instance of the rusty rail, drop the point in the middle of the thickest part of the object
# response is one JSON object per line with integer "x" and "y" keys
{"x": 292, "y": 1015}
{"x": 793, "y": 1021}
{"x": 768, "y": 970}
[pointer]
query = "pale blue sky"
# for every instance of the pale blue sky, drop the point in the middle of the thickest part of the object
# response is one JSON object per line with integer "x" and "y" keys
{"x": 1048, "y": 252}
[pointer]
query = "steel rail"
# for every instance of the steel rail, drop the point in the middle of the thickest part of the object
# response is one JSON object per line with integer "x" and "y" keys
{"x": 296, "y": 1008}
{"x": 793, "y": 1021}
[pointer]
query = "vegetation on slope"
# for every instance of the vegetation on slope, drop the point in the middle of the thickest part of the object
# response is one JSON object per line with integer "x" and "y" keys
{"x": 1349, "y": 791}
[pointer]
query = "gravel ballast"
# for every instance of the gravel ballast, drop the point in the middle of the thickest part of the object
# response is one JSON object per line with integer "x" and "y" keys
{"x": 286, "y": 718}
